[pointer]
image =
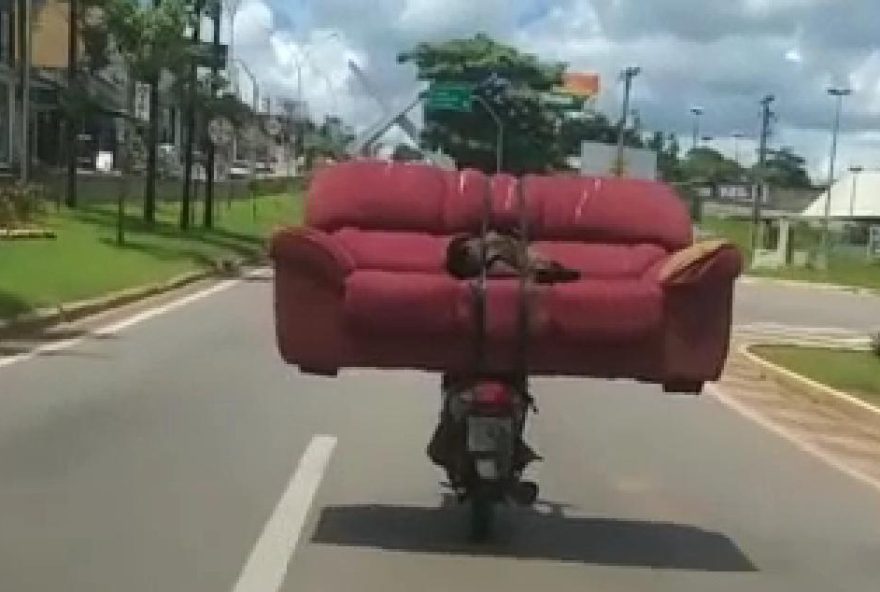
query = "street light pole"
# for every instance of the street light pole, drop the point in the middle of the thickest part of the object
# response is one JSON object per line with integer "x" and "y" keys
{"x": 766, "y": 115}
{"x": 628, "y": 74}
{"x": 499, "y": 142}
{"x": 698, "y": 112}
{"x": 838, "y": 93}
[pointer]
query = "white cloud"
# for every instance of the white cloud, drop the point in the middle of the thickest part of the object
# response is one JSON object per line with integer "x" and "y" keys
{"x": 724, "y": 56}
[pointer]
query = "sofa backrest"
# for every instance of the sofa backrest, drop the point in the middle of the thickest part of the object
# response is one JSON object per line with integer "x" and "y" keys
{"x": 607, "y": 209}
{"x": 376, "y": 195}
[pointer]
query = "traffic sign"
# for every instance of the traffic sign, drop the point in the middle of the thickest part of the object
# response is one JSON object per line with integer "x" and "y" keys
{"x": 450, "y": 96}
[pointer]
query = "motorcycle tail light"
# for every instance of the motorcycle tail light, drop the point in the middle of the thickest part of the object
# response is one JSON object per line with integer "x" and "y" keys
{"x": 493, "y": 395}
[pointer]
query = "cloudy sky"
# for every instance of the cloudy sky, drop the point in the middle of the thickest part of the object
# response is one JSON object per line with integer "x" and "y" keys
{"x": 723, "y": 56}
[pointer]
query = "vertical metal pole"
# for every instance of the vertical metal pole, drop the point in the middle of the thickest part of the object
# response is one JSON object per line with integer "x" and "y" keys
{"x": 208, "y": 214}
{"x": 826, "y": 219}
{"x": 256, "y": 138}
{"x": 72, "y": 124}
{"x": 762, "y": 158}
{"x": 25, "y": 170}
{"x": 186, "y": 205}
{"x": 618, "y": 165}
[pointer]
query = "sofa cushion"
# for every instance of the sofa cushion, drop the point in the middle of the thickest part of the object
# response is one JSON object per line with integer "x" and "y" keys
{"x": 379, "y": 196}
{"x": 394, "y": 251}
{"x": 605, "y": 310}
{"x": 602, "y": 260}
{"x": 395, "y": 303}
{"x": 609, "y": 210}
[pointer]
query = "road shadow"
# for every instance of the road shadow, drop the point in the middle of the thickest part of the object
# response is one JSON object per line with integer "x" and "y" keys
{"x": 532, "y": 535}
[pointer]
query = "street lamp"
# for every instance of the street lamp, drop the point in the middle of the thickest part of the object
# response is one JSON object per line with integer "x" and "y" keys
{"x": 627, "y": 76}
{"x": 495, "y": 87}
{"x": 698, "y": 112}
{"x": 838, "y": 93}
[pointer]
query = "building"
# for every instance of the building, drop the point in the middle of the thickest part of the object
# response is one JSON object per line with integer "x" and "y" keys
{"x": 97, "y": 132}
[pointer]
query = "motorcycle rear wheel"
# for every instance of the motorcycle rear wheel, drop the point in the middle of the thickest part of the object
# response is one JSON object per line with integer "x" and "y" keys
{"x": 482, "y": 518}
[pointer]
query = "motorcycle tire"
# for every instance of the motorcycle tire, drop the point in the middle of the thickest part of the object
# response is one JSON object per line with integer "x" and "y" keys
{"x": 482, "y": 518}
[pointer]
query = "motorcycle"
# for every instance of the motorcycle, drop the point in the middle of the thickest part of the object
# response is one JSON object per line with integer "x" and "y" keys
{"x": 479, "y": 443}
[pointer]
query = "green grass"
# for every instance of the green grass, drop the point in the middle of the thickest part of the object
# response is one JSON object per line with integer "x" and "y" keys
{"x": 844, "y": 268}
{"x": 85, "y": 261}
{"x": 855, "y": 372}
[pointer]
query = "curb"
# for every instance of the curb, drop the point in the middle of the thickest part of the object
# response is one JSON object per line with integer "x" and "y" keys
{"x": 72, "y": 311}
{"x": 816, "y": 391}
{"x": 857, "y": 290}
{"x": 26, "y": 233}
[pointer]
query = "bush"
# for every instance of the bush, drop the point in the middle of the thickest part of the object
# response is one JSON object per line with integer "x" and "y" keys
{"x": 20, "y": 204}
{"x": 875, "y": 344}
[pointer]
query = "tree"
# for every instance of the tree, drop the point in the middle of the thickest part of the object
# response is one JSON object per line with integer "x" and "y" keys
{"x": 530, "y": 127}
{"x": 668, "y": 156}
{"x": 709, "y": 165}
{"x": 784, "y": 168}
{"x": 147, "y": 40}
{"x": 591, "y": 127}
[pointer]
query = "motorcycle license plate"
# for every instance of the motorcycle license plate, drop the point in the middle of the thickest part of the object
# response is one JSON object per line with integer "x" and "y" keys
{"x": 486, "y": 434}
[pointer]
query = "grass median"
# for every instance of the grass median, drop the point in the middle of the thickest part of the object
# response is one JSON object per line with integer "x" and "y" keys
{"x": 845, "y": 268}
{"x": 84, "y": 261}
{"x": 854, "y": 372}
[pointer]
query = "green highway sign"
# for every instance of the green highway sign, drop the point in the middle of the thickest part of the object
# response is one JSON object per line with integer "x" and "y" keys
{"x": 449, "y": 96}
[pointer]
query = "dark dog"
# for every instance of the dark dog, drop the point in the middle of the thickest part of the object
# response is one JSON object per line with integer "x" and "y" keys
{"x": 505, "y": 256}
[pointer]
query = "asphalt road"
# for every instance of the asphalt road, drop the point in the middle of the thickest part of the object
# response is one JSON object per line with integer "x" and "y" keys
{"x": 804, "y": 306}
{"x": 152, "y": 459}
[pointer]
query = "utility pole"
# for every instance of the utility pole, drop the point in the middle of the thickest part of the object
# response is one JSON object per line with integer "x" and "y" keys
{"x": 766, "y": 115}
{"x": 838, "y": 94}
{"x": 72, "y": 124}
{"x": 627, "y": 75}
{"x": 208, "y": 219}
{"x": 185, "y": 204}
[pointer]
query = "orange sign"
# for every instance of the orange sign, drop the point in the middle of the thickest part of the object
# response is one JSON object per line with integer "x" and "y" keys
{"x": 579, "y": 84}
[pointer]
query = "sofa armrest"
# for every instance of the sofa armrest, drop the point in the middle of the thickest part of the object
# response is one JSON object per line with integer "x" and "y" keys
{"x": 706, "y": 261}
{"x": 312, "y": 251}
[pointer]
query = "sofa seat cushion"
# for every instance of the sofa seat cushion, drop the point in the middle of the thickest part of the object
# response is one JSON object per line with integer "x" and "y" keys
{"x": 394, "y": 251}
{"x": 602, "y": 260}
{"x": 414, "y": 303}
{"x": 605, "y": 310}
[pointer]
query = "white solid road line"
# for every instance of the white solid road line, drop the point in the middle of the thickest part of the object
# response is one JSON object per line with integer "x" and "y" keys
{"x": 266, "y": 567}
{"x": 140, "y": 317}
{"x": 714, "y": 390}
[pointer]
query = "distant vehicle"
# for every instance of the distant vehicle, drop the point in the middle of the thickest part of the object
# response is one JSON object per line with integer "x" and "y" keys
{"x": 240, "y": 169}
{"x": 264, "y": 167}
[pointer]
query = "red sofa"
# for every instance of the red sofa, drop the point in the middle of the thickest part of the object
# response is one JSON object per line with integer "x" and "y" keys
{"x": 363, "y": 284}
